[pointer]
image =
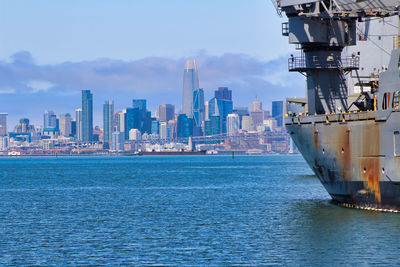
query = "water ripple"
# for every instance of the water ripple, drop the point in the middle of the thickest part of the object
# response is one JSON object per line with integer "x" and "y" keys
{"x": 195, "y": 211}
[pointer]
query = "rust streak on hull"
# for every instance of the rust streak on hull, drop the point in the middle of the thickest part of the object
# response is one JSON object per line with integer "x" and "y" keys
{"x": 346, "y": 157}
{"x": 370, "y": 175}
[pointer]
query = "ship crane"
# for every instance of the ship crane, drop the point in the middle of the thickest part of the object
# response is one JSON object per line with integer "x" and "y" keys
{"x": 322, "y": 29}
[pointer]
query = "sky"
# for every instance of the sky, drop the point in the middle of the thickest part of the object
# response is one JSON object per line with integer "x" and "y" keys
{"x": 126, "y": 49}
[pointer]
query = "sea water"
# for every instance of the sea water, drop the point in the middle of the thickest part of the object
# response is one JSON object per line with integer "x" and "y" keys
{"x": 182, "y": 210}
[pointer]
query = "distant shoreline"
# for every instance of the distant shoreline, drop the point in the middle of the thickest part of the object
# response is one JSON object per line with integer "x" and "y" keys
{"x": 136, "y": 155}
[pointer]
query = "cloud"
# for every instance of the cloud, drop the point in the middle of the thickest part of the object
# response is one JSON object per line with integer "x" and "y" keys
{"x": 7, "y": 91}
{"x": 22, "y": 57}
{"x": 38, "y": 85}
{"x": 157, "y": 79}
{"x": 149, "y": 75}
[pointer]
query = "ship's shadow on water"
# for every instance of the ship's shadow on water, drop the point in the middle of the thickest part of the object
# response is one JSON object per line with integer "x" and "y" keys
{"x": 305, "y": 176}
{"x": 319, "y": 209}
{"x": 323, "y": 232}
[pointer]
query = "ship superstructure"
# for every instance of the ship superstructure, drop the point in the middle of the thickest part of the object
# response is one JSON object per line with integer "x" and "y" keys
{"x": 351, "y": 141}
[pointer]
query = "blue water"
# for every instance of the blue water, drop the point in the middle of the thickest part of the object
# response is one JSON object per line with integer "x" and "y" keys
{"x": 192, "y": 210}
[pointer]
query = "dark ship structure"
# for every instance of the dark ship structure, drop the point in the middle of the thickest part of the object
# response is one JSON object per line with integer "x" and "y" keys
{"x": 348, "y": 127}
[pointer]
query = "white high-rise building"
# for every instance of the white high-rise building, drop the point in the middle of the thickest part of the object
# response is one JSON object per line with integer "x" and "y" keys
{"x": 118, "y": 140}
{"x": 271, "y": 123}
{"x": 190, "y": 83}
{"x": 247, "y": 124}
{"x": 3, "y": 143}
{"x": 165, "y": 130}
{"x": 232, "y": 124}
{"x": 120, "y": 121}
{"x": 256, "y": 106}
{"x": 134, "y": 135}
{"x": 206, "y": 110}
{"x": 65, "y": 124}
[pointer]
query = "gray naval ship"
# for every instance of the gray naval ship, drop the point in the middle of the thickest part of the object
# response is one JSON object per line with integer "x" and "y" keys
{"x": 348, "y": 126}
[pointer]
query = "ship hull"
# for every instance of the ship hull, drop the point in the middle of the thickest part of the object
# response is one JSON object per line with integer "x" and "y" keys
{"x": 353, "y": 155}
{"x": 354, "y": 193}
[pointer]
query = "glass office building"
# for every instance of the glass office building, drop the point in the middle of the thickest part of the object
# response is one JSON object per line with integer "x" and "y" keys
{"x": 87, "y": 116}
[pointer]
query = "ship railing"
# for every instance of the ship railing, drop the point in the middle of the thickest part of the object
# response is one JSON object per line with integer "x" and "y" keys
{"x": 344, "y": 63}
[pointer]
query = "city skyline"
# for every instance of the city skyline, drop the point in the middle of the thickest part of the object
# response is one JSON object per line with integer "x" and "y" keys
{"x": 135, "y": 127}
{"x": 106, "y": 108}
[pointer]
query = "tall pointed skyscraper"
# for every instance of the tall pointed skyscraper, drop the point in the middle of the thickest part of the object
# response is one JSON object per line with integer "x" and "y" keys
{"x": 190, "y": 83}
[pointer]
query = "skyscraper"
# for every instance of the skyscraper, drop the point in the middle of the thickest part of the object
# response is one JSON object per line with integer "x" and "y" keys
{"x": 256, "y": 112}
{"x": 206, "y": 110}
{"x": 155, "y": 126}
{"x": 212, "y": 126}
{"x": 277, "y": 112}
{"x": 131, "y": 120}
{"x": 108, "y": 121}
{"x": 139, "y": 103}
{"x": 190, "y": 83}
{"x": 165, "y": 130}
{"x": 215, "y": 108}
{"x": 78, "y": 124}
{"x": 87, "y": 116}
{"x": 49, "y": 120}
{"x": 232, "y": 124}
{"x": 166, "y": 112}
{"x": 215, "y": 125}
{"x": 120, "y": 121}
{"x": 256, "y": 106}
{"x": 257, "y": 117}
{"x": 3, "y": 143}
{"x": 241, "y": 111}
{"x": 3, "y": 123}
{"x": 73, "y": 127}
{"x": 118, "y": 140}
{"x": 223, "y": 93}
{"x": 247, "y": 124}
{"x": 173, "y": 126}
{"x": 143, "y": 122}
{"x": 65, "y": 124}
{"x": 198, "y": 107}
{"x": 24, "y": 126}
{"x": 221, "y": 105}
{"x": 184, "y": 126}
